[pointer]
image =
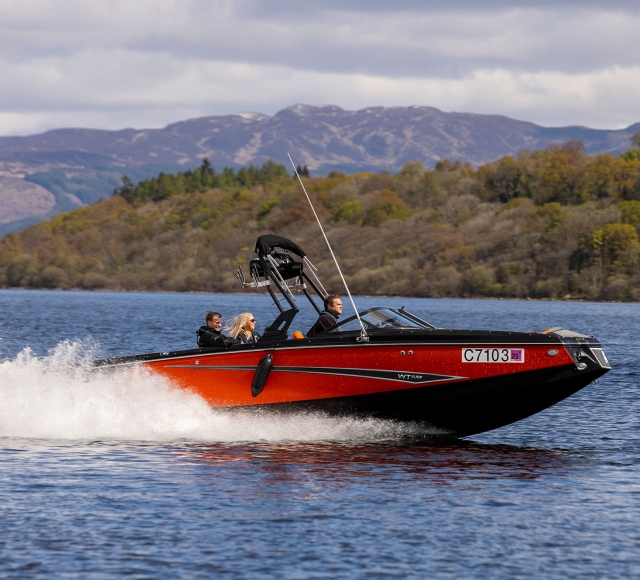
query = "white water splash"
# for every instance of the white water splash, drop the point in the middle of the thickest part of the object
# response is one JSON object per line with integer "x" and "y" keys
{"x": 58, "y": 397}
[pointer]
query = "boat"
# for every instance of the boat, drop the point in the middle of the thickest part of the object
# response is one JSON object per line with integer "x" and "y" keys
{"x": 382, "y": 363}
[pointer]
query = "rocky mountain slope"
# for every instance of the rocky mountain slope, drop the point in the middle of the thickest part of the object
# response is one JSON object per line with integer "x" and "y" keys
{"x": 85, "y": 164}
{"x": 20, "y": 199}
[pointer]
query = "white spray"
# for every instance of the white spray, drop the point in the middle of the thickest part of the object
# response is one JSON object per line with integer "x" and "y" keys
{"x": 59, "y": 397}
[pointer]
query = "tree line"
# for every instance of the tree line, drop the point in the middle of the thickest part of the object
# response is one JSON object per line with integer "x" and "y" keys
{"x": 199, "y": 180}
{"x": 553, "y": 223}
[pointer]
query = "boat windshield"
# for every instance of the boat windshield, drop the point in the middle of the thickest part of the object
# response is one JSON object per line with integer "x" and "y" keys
{"x": 382, "y": 318}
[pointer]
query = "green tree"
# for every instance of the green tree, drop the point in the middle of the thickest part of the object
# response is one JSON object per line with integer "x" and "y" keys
{"x": 599, "y": 179}
{"x": 412, "y": 169}
{"x": 505, "y": 180}
{"x": 302, "y": 172}
{"x": 206, "y": 166}
{"x": 558, "y": 173}
{"x": 634, "y": 153}
{"x": 614, "y": 240}
{"x": 386, "y": 205}
{"x": 630, "y": 211}
{"x": 553, "y": 213}
{"x": 126, "y": 190}
{"x": 480, "y": 281}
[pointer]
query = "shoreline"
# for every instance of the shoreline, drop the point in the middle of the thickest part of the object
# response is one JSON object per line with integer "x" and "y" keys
{"x": 399, "y": 296}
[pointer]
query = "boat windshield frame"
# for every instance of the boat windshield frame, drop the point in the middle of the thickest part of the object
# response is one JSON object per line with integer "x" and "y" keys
{"x": 382, "y": 324}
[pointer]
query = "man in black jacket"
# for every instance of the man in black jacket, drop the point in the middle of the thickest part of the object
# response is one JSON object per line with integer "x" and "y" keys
{"x": 211, "y": 333}
{"x": 329, "y": 316}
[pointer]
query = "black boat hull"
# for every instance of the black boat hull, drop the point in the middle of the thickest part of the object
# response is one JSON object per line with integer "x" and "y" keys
{"x": 460, "y": 409}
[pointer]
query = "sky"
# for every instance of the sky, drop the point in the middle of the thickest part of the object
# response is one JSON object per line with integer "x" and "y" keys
{"x": 111, "y": 64}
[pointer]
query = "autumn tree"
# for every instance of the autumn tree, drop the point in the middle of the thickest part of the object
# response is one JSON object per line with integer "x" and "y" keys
{"x": 613, "y": 241}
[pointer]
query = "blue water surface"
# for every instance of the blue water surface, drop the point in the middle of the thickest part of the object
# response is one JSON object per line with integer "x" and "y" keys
{"x": 123, "y": 477}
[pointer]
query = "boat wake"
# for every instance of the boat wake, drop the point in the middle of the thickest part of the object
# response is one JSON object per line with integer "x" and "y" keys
{"x": 59, "y": 396}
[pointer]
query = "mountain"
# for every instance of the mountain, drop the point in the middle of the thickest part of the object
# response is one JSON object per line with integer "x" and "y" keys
{"x": 82, "y": 165}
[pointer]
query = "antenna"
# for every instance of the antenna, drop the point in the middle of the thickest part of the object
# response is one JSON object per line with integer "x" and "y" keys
{"x": 363, "y": 335}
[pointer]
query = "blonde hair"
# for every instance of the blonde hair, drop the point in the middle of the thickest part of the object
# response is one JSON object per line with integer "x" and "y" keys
{"x": 234, "y": 326}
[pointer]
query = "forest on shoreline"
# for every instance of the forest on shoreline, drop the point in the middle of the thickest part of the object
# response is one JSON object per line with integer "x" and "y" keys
{"x": 553, "y": 223}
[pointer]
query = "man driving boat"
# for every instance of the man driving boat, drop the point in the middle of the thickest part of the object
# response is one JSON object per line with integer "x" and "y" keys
{"x": 329, "y": 316}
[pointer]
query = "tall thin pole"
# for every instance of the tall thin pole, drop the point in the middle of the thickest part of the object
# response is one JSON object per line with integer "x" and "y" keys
{"x": 363, "y": 334}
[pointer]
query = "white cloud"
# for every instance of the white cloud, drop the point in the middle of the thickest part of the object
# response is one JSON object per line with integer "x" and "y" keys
{"x": 111, "y": 64}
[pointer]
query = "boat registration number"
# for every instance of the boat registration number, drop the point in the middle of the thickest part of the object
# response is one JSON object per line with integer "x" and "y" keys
{"x": 496, "y": 355}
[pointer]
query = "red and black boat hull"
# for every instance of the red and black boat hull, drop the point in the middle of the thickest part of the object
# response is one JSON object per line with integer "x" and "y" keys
{"x": 459, "y": 409}
{"x": 431, "y": 378}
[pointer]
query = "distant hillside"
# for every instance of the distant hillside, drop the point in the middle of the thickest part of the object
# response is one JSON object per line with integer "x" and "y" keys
{"x": 555, "y": 223}
{"x": 88, "y": 163}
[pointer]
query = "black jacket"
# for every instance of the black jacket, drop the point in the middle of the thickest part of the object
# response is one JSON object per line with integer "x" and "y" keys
{"x": 208, "y": 337}
{"x": 325, "y": 321}
{"x": 243, "y": 339}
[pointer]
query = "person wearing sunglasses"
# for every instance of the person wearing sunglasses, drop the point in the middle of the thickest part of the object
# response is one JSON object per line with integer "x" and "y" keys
{"x": 242, "y": 328}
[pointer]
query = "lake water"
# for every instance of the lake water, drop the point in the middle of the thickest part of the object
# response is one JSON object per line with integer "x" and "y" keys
{"x": 104, "y": 477}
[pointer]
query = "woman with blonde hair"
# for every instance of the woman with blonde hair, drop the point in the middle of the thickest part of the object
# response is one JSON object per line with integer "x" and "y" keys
{"x": 242, "y": 328}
